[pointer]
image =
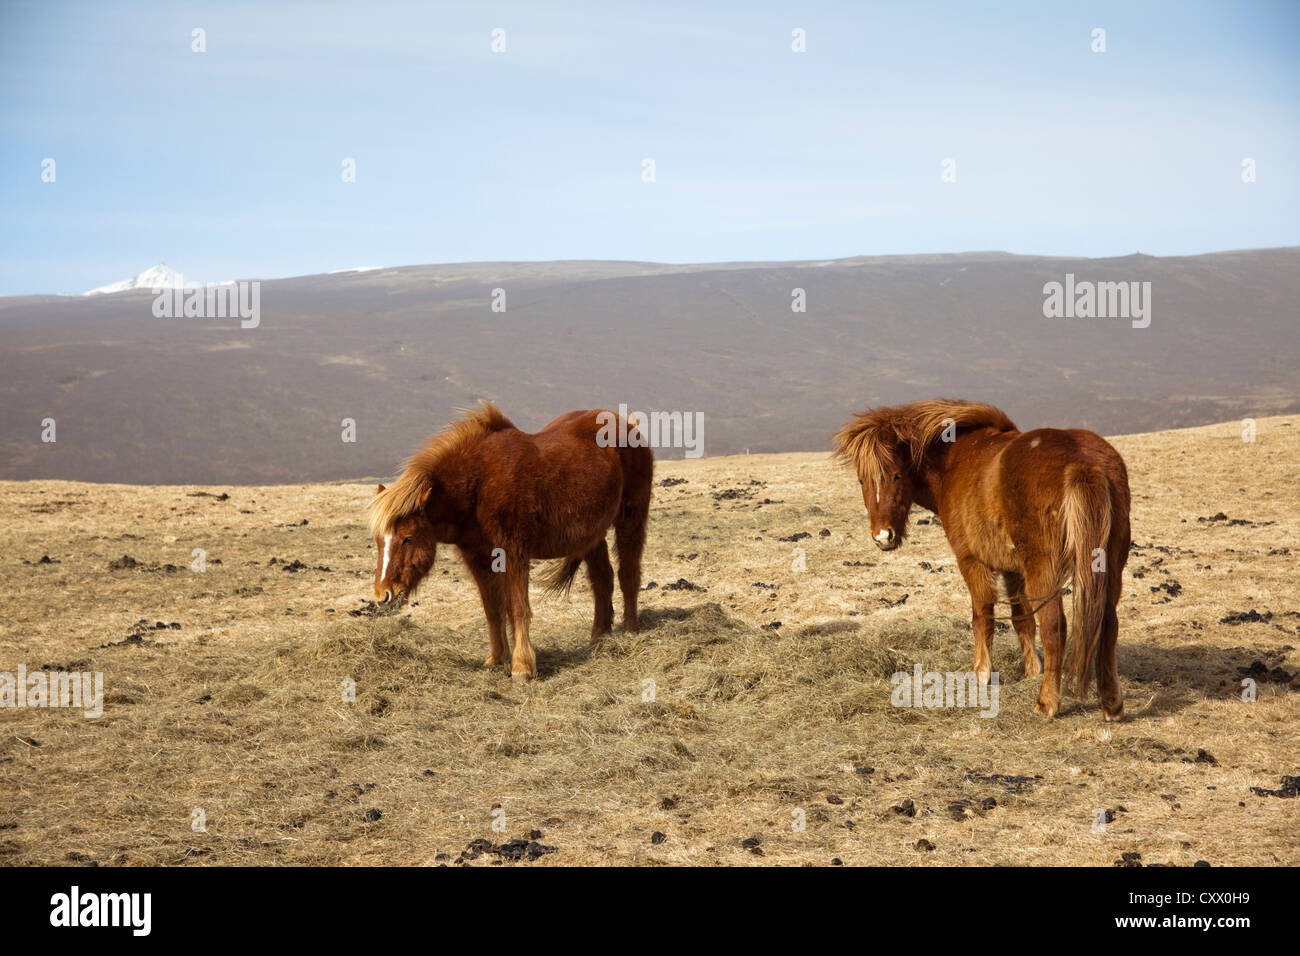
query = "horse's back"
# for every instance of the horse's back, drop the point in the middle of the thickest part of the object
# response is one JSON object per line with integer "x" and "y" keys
{"x": 567, "y": 420}
{"x": 585, "y": 446}
{"x": 605, "y": 429}
{"x": 551, "y": 493}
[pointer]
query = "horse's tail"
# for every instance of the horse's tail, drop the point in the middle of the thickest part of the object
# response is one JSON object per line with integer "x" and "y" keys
{"x": 559, "y": 577}
{"x": 1086, "y": 512}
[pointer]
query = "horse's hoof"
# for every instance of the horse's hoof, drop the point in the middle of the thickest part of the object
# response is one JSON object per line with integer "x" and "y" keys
{"x": 1113, "y": 716}
{"x": 522, "y": 677}
{"x": 493, "y": 662}
{"x": 1047, "y": 710}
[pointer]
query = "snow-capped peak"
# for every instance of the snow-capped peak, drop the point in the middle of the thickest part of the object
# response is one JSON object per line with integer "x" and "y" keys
{"x": 155, "y": 277}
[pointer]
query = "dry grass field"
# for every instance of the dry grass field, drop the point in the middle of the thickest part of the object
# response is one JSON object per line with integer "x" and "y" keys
{"x": 771, "y": 686}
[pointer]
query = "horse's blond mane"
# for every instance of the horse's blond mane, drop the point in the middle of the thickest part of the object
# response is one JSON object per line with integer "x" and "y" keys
{"x": 867, "y": 441}
{"x": 406, "y": 494}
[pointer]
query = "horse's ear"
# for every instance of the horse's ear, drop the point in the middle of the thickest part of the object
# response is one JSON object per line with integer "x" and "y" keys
{"x": 424, "y": 498}
{"x": 381, "y": 490}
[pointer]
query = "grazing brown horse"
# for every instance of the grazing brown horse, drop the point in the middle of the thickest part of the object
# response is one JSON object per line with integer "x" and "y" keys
{"x": 1035, "y": 509}
{"x": 503, "y": 497}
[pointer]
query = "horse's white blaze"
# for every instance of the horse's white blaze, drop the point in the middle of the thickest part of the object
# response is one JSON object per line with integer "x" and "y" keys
{"x": 388, "y": 549}
{"x": 882, "y": 535}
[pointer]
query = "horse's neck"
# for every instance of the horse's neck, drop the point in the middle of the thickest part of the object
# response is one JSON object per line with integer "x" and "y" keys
{"x": 928, "y": 477}
{"x": 453, "y": 482}
{"x": 928, "y": 485}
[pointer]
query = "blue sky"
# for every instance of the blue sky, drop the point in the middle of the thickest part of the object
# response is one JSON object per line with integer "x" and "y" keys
{"x": 226, "y": 164}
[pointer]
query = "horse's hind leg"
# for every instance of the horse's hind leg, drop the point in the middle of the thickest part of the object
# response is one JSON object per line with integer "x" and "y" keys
{"x": 629, "y": 541}
{"x": 983, "y": 595}
{"x": 601, "y": 575}
{"x": 1023, "y": 617}
{"x": 1112, "y": 699}
{"x": 1051, "y": 627}
{"x": 1108, "y": 689}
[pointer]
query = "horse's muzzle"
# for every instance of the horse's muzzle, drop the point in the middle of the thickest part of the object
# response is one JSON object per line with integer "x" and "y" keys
{"x": 392, "y": 603}
{"x": 886, "y": 540}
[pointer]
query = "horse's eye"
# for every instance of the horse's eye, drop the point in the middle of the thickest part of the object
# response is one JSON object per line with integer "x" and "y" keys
{"x": 406, "y": 540}
{"x": 860, "y": 481}
{"x": 898, "y": 477}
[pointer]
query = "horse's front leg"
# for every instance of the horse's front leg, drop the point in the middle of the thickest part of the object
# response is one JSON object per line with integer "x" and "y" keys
{"x": 491, "y": 591}
{"x": 983, "y": 596}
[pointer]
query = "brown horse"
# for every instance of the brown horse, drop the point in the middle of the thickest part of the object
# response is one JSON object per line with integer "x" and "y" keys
{"x": 1035, "y": 509}
{"x": 503, "y": 497}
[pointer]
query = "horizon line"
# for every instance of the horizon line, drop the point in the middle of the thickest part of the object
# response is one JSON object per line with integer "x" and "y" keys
{"x": 757, "y": 263}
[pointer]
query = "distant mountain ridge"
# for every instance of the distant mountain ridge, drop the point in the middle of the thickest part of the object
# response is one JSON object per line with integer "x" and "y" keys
{"x": 398, "y": 350}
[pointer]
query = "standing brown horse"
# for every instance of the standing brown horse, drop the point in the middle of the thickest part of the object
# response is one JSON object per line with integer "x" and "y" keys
{"x": 1035, "y": 508}
{"x": 503, "y": 497}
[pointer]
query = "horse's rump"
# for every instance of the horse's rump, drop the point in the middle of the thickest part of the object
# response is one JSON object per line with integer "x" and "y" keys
{"x": 1080, "y": 477}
